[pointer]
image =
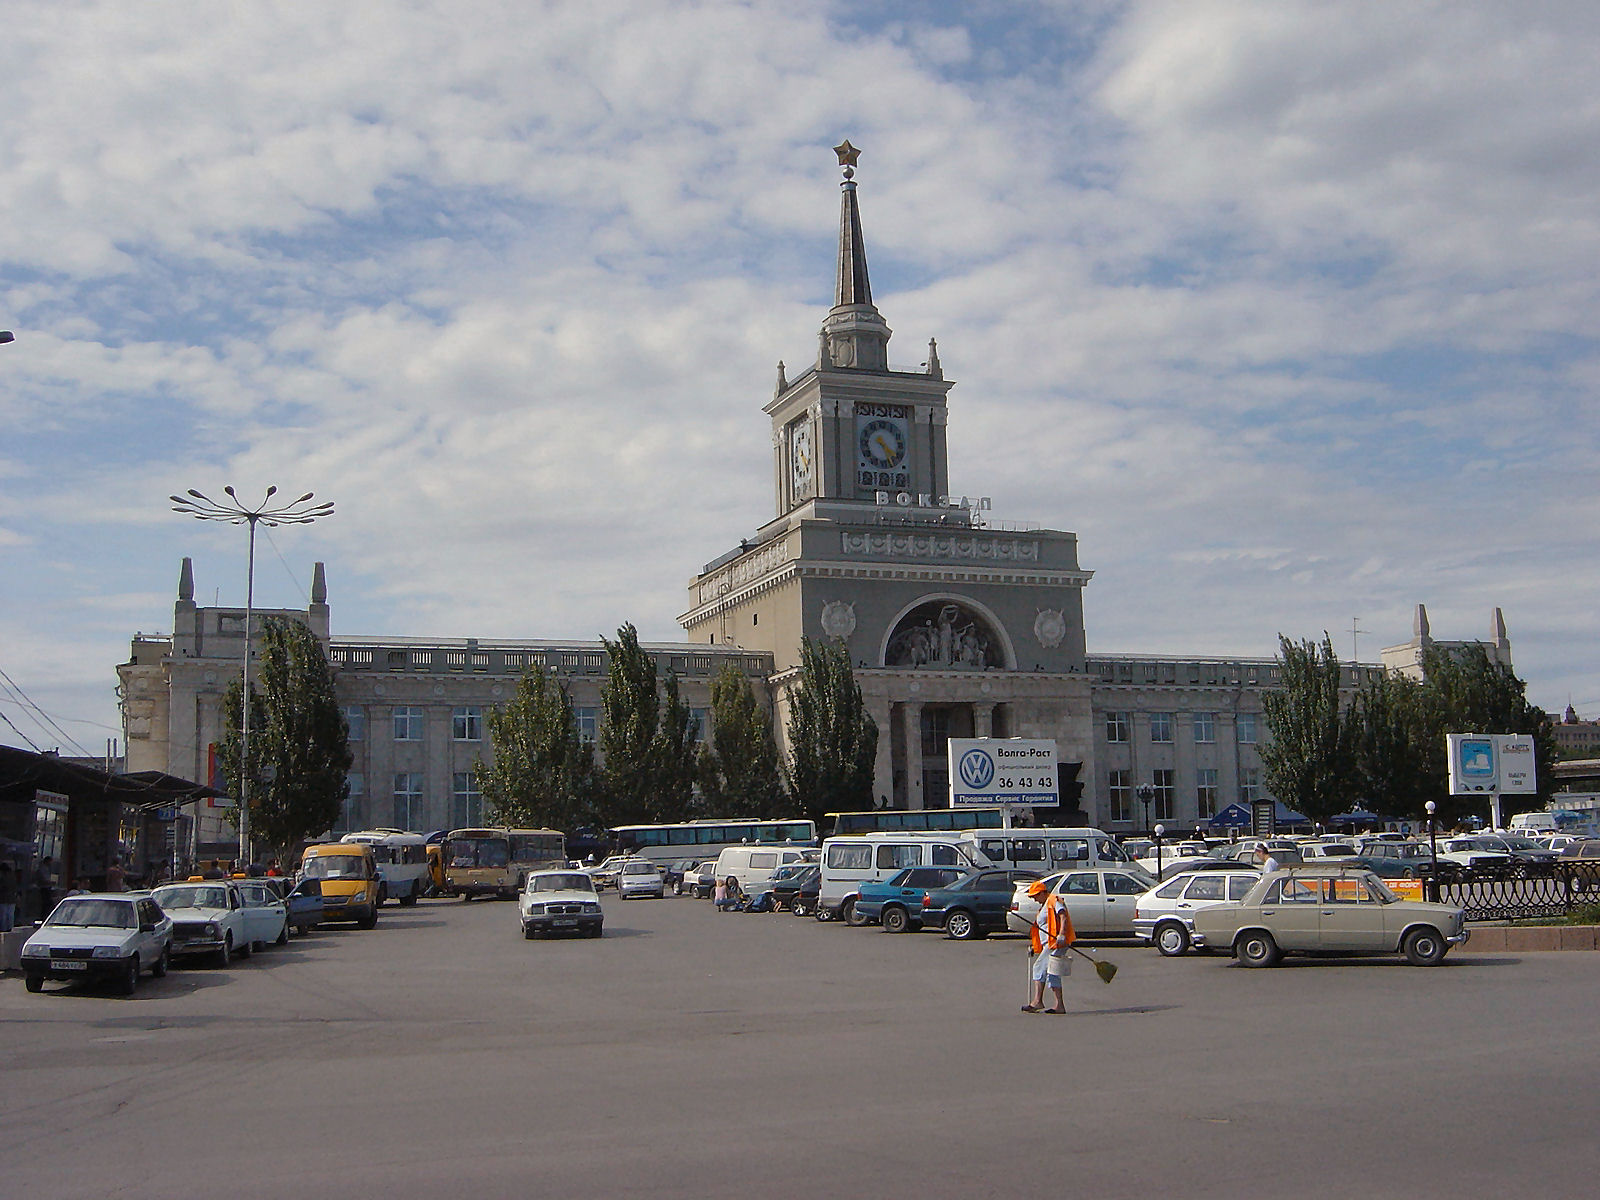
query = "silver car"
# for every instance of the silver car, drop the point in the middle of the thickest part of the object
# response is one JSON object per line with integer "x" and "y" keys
{"x": 90, "y": 938}
{"x": 640, "y": 877}
{"x": 1165, "y": 914}
{"x": 1100, "y": 901}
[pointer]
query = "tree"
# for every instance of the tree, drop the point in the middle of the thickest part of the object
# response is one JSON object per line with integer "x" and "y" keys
{"x": 299, "y": 742}
{"x": 648, "y": 739}
{"x": 1388, "y": 730}
{"x": 833, "y": 740}
{"x": 739, "y": 772}
{"x": 1308, "y": 759}
{"x": 543, "y": 770}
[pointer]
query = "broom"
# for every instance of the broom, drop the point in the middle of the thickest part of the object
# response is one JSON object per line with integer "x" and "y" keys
{"x": 1106, "y": 970}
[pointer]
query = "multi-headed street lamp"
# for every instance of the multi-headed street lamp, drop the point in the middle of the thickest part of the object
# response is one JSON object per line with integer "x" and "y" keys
{"x": 233, "y": 511}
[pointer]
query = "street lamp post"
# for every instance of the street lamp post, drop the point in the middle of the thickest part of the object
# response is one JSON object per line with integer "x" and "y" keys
{"x": 1145, "y": 794}
{"x": 1433, "y": 851}
{"x": 233, "y": 511}
{"x": 1160, "y": 830}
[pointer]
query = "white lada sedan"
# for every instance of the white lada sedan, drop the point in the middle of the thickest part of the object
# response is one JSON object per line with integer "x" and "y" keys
{"x": 91, "y": 938}
{"x": 208, "y": 918}
{"x": 559, "y": 902}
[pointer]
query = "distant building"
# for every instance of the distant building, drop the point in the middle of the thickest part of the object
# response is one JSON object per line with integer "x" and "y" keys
{"x": 1574, "y": 738}
{"x": 1406, "y": 658}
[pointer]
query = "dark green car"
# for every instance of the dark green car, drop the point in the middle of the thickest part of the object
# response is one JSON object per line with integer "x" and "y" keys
{"x": 974, "y": 906}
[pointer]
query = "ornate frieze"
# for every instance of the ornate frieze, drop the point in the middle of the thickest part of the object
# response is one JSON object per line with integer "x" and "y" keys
{"x": 958, "y": 546}
{"x": 739, "y": 573}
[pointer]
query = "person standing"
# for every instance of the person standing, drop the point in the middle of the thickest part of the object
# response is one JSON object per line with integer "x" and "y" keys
{"x": 1049, "y": 939}
{"x": 45, "y": 883}
{"x": 1264, "y": 859}
{"x": 116, "y": 877}
{"x": 8, "y": 898}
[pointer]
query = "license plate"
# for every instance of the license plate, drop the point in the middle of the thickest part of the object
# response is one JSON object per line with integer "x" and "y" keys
{"x": 569, "y": 921}
{"x": 60, "y": 964}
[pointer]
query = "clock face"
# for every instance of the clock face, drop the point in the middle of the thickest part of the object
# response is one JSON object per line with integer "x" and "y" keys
{"x": 882, "y": 443}
{"x": 800, "y": 458}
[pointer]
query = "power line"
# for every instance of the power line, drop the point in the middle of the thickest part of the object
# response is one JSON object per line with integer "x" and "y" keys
{"x": 20, "y": 734}
{"x": 48, "y": 720}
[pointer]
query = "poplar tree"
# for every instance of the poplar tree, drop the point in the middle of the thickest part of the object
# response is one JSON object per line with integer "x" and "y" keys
{"x": 739, "y": 772}
{"x": 543, "y": 771}
{"x": 299, "y": 742}
{"x": 647, "y": 743}
{"x": 832, "y": 737}
{"x": 1308, "y": 762}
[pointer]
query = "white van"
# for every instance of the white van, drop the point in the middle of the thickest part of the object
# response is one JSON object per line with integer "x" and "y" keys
{"x": 753, "y": 865}
{"x": 402, "y": 859}
{"x": 1534, "y": 822}
{"x": 848, "y": 862}
{"x": 1047, "y": 850}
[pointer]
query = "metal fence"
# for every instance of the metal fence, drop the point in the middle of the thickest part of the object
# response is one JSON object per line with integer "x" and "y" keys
{"x": 1569, "y": 886}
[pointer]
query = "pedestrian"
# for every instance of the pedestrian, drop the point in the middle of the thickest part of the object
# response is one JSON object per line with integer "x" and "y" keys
{"x": 116, "y": 877}
{"x": 1265, "y": 860}
{"x": 8, "y": 898}
{"x": 45, "y": 885}
{"x": 1049, "y": 940}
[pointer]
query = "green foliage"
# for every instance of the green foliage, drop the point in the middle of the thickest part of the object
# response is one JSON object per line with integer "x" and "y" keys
{"x": 647, "y": 742}
{"x": 543, "y": 770}
{"x": 299, "y": 743}
{"x": 739, "y": 773}
{"x": 1308, "y": 762}
{"x": 1388, "y": 730}
{"x": 833, "y": 739}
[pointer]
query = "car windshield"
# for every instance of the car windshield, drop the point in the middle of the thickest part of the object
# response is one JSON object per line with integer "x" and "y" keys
{"x": 104, "y": 914}
{"x": 575, "y": 882}
{"x": 335, "y": 866}
{"x": 192, "y": 897}
{"x": 638, "y": 868}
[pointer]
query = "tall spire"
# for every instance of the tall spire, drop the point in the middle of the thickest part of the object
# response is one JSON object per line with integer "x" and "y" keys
{"x": 855, "y": 334}
{"x": 186, "y": 580}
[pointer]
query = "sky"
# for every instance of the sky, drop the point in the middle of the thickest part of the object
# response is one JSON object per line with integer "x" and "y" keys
{"x": 1288, "y": 309}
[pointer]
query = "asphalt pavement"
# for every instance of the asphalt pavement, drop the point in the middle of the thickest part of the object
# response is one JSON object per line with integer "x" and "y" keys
{"x": 692, "y": 1053}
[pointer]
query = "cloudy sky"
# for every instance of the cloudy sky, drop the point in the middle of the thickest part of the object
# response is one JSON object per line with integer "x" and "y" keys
{"x": 1288, "y": 309}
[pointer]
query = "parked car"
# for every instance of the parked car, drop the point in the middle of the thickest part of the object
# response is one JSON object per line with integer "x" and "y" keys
{"x": 1188, "y": 865}
{"x": 1314, "y": 851}
{"x": 1475, "y": 854}
{"x": 207, "y": 919}
{"x": 672, "y": 874}
{"x": 640, "y": 877}
{"x": 304, "y": 903}
{"x": 783, "y": 886}
{"x": 1389, "y": 868}
{"x": 560, "y": 902}
{"x": 901, "y": 892}
{"x": 798, "y": 892}
{"x": 266, "y": 916}
{"x": 606, "y": 872}
{"x": 1329, "y": 910}
{"x": 702, "y": 880}
{"x": 974, "y": 906}
{"x": 1100, "y": 902}
{"x": 95, "y": 938}
{"x": 1165, "y": 914}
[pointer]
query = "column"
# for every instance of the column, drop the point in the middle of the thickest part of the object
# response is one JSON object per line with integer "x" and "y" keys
{"x": 983, "y": 720}
{"x": 912, "y": 716}
{"x": 883, "y": 764}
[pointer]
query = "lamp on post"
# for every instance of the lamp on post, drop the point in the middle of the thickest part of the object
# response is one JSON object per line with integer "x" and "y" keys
{"x": 233, "y": 511}
{"x": 1160, "y": 829}
{"x": 1145, "y": 794}
{"x": 1433, "y": 851}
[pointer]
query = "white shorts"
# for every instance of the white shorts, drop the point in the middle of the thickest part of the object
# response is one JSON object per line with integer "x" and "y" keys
{"x": 1051, "y": 968}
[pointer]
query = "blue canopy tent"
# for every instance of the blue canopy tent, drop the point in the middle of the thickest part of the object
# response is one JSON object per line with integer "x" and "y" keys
{"x": 1238, "y": 817}
{"x": 1356, "y": 817}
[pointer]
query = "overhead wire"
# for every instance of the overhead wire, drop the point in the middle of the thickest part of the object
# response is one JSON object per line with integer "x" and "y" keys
{"x": 44, "y": 719}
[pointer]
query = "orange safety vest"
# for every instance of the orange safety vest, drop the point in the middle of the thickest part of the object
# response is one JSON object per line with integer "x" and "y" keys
{"x": 1057, "y": 926}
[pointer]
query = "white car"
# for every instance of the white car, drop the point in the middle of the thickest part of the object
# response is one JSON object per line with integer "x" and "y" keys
{"x": 1101, "y": 901}
{"x": 606, "y": 872}
{"x": 266, "y": 916}
{"x": 640, "y": 877}
{"x": 207, "y": 918}
{"x": 559, "y": 902}
{"x": 1165, "y": 914}
{"x": 93, "y": 937}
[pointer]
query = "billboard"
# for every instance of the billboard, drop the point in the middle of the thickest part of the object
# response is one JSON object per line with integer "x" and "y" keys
{"x": 1492, "y": 764}
{"x": 1003, "y": 771}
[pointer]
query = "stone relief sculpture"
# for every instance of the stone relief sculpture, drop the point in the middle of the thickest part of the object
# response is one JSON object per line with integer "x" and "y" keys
{"x": 838, "y": 618}
{"x": 1050, "y": 627}
{"x": 944, "y": 635}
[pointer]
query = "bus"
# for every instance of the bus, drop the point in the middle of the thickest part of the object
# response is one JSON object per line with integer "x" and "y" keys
{"x": 402, "y": 860}
{"x": 496, "y": 862}
{"x": 901, "y": 820}
{"x": 664, "y": 844}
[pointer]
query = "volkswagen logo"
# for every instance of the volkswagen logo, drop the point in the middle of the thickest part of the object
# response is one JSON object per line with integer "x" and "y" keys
{"x": 977, "y": 769}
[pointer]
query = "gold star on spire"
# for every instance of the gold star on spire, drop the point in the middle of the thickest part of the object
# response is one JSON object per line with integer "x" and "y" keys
{"x": 848, "y": 156}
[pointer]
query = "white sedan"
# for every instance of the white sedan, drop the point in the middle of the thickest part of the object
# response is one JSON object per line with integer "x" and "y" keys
{"x": 207, "y": 918}
{"x": 560, "y": 902}
{"x": 1101, "y": 902}
{"x": 91, "y": 938}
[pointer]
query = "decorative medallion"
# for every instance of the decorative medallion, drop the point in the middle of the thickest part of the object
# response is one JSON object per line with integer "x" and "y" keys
{"x": 1050, "y": 626}
{"x": 838, "y": 619}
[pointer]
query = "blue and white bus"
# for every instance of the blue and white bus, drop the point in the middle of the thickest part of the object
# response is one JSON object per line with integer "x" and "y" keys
{"x": 706, "y": 839}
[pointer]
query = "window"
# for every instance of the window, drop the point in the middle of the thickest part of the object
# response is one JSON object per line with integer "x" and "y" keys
{"x": 466, "y": 801}
{"x": 1245, "y": 724}
{"x": 1084, "y": 884}
{"x": 355, "y": 719}
{"x": 408, "y": 799}
{"x": 1240, "y": 883}
{"x": 850, "y": 858}
{"x": 699, "y": 723}
{"x": 466, "y": 725}
{"x": 1120, "y": 791}
{"x": 1162, "y": 778}
{"x": 895, "y": 857}
{"x": 588, "y": 722}
{"x": 354, "y": 802}
{"x": 1205, "y": 887}
{"x": 1116, "y": 727}
{"x": 1124, "y": 885}
{"x": 1160, "y": 727}
{"x": 935, "y": 732}
{"x": 407, "y": 723}
{"x": 1205, "y": 792}
{"x": 1205, "y": 727}
{"x": 1249, "y": 784}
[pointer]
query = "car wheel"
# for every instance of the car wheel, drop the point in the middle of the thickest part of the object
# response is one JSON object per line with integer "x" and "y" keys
{"x": 1257, "y": 949}
{"x": 1172, "y": 939}
{"x": 129, "y": 982}
{"x": 246, "y": 948}
{"x": 1424, "y": 947}
{"x": 410, "y": 899}
{"x": 529, "y": 933}
{"x": 283, "y": 935}
{"x": 159, "y": 971}
{"x": 226, "y": 953}
{"x": 895, "y": 920}
{"x": 847, "y": 913}
{"x": 677, "y": 888}
{"x": 370, "y": 920}
{"x": 960, "y": 925}
{"x": 34, "y": 983}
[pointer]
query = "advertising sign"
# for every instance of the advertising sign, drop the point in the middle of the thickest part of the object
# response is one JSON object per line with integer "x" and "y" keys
{"x": 1003, "y": 771}
{"x": 1491, "y": 764}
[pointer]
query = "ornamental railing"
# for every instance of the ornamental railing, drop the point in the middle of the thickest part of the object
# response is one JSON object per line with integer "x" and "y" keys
{"x": 1557, "y": 892}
